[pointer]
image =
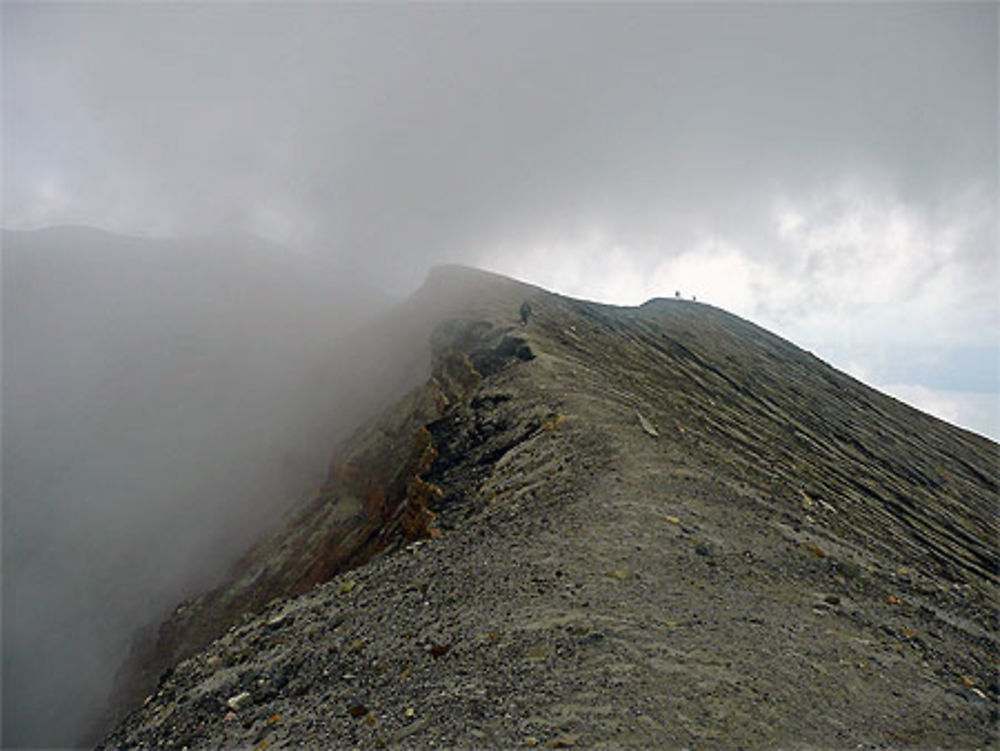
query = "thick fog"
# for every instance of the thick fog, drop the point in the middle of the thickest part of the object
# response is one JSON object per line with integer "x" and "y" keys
{"x": 827, "y": 170}
{"x": 164, "y": 402}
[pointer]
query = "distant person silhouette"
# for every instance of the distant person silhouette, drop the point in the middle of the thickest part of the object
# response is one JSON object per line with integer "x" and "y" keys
{"x": 525, "y": 312}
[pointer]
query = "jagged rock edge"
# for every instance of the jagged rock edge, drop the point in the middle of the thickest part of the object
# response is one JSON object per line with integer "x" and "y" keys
{"x": 460, "y": 349}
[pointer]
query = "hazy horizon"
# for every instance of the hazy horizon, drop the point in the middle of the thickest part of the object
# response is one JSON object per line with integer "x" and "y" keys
{"x": 827, "y": 170}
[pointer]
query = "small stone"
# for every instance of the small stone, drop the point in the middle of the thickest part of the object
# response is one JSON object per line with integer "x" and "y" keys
{"x": 238, "y": 701}
{"x": 531, "y": 741}
{"x": 816, "y": 550}
{"x": 346, "y": 587}
{"x": 410, "y": 711}
{"x": 619, "y": 573}
{"x": 832, "y": 600}
{"x": 672, "y": 519}
{"x": 276, "y": 622}
{"x": 702, "y": 549}
{"x": 563, "y": 741}
{"x": 646, "y": 425}
{"x": 438, "y": 650}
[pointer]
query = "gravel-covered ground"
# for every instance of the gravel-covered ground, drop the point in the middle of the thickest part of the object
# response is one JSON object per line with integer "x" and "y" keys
{"x": 662, "y": 527}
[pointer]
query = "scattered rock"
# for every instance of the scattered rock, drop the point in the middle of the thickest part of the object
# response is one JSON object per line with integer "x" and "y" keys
{"x": 816, "y": 550}
{"x": 563, "y": 741}
{"x": 807, "y": 503}
{"x": 553, "y": 422}
{"x": 438, "y": 650}
{"x": 619, "y": 573}
{"x": 277, "y": 621}
{"x": 240, "y": 700}
{"x": 647, "y": 426}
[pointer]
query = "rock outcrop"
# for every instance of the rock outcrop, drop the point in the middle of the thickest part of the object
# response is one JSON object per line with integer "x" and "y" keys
{"x": 610, "y": 527}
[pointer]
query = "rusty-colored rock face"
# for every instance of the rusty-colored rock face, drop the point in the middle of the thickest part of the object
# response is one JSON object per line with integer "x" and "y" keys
{"x": 374, "y": 499}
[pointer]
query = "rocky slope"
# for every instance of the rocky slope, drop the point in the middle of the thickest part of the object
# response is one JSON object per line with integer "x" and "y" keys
{"x": 612, "y": 527}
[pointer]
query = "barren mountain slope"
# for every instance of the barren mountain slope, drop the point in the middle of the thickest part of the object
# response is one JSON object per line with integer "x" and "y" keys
{"x": 612, "y": 527}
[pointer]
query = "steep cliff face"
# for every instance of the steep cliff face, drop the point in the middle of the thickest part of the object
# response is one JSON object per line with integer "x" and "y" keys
{"x": 374, "y": 497}
{"x": 654, "y": 526}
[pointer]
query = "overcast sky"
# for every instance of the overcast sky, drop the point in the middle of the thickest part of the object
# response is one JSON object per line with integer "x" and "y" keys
{"x": 828, "y": 171}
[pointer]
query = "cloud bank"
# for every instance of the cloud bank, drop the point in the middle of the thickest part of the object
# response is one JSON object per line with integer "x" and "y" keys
{"x": 828, "y": 169}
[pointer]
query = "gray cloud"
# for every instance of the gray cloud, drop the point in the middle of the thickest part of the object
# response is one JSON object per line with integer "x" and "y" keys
{"x": 410, "y": 134}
